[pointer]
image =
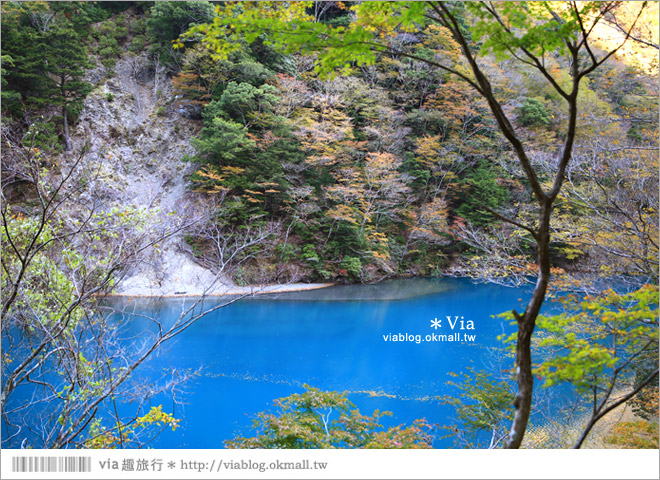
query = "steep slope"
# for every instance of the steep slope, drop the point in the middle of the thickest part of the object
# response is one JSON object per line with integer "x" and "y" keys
{"x": 137, "y": 142}
{"x": 137, "y": 138}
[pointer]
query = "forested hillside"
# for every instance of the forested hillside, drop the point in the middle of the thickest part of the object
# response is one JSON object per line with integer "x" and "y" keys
{"x": 394, "y": 169}
{"x": 163, "y": 147}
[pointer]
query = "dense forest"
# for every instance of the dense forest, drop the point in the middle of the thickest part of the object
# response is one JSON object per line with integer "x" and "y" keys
{"x": 366, "y": 145}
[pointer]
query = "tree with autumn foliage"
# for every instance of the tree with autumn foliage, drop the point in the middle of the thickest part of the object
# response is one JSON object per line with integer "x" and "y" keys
{"x": 245, "y": 147}
{"x": 605, "y": 346}
{"x": 320, "y": 419}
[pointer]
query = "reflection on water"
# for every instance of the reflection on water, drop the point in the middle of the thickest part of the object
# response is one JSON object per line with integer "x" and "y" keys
{"x": 386, "y": 290}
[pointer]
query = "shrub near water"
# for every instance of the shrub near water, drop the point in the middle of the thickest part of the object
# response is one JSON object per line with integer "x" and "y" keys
{"x": 320, "y": 419}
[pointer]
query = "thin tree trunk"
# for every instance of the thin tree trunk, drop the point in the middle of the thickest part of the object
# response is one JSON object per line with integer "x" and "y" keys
{"x": 602, "y": 411}
{"x": 526, "y": 325}
{"x": 286, "y": 240}
{"x": 156, "y": 73}
{"x": 67, "y": 141}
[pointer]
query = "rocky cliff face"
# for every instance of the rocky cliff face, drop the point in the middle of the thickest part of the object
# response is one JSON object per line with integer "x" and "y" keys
{"x": 137, "y": 143}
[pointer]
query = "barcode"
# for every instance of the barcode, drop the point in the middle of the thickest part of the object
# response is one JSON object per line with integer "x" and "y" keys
{"x": 51, "y": 464}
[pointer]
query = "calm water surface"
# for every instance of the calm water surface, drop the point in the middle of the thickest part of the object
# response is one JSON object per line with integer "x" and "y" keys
{"x": 262, "y": 348}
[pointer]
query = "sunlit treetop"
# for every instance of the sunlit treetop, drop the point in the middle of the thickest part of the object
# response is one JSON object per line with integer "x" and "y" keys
{"x": 528, "y": 31}
{"x": 290, "y": 28}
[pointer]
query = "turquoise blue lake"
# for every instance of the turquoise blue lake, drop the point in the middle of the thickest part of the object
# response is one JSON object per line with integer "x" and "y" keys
{"x": 344, "y": 338}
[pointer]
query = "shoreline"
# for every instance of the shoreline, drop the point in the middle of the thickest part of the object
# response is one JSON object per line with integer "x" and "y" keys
{"x": 230, "y": 290}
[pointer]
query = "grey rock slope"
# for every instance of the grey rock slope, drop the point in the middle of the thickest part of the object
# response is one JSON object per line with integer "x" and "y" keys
{"x": 136, "y": 143}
